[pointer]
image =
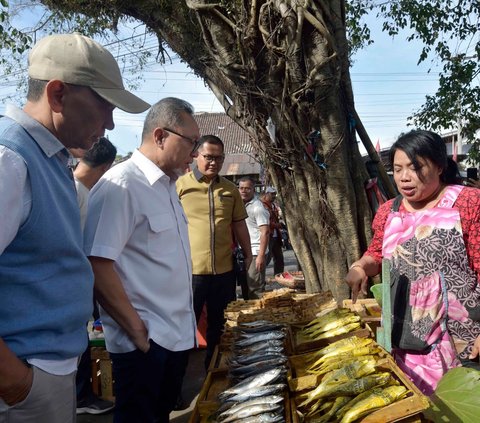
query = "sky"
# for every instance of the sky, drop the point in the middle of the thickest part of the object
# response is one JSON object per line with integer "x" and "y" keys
{"x": 387, "y": 82}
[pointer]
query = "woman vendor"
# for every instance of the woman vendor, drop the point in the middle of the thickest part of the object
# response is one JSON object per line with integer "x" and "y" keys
{"x": 430, "y": 234}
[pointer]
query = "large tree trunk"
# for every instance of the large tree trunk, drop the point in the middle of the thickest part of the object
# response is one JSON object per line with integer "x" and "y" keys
{"x": 283, "y": 63}
{"x": 288, "y": 64}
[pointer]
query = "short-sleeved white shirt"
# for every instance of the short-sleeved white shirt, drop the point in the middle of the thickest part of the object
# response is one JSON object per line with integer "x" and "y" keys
{"x": 258, "y": 216}
{"x": 136, "y": 219}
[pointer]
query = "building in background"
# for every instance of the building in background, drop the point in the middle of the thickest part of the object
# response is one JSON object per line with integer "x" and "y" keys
{"x": 240, "y": 157}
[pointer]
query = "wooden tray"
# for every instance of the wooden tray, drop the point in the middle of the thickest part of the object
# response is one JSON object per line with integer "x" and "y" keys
{"x": 368, "y": 309}
{"x": 408, "y": 409}
{"x": 207, "y": 403}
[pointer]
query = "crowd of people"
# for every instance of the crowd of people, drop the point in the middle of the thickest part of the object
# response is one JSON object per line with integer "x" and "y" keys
{"x": 156, "y": 245}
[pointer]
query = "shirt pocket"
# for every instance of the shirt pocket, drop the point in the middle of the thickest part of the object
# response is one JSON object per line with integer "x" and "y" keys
{"x": 162, "y": 235}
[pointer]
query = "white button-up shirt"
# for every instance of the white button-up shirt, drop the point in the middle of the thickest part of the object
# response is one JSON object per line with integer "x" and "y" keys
{"x": 135, "y": 219}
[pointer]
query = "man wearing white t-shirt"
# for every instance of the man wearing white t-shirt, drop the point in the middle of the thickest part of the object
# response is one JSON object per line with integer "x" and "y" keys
{"x": 258, "y": 222}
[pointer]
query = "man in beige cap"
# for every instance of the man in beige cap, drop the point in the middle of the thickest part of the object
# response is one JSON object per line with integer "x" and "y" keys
{"x": 45, "y": 279}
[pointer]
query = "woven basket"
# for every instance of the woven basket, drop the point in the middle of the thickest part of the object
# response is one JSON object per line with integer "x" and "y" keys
{"x": 293, "y": 280}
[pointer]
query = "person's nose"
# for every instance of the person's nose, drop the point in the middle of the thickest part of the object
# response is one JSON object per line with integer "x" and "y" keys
{"x": 109, "y": 124}
{"x": 405, "y": 175}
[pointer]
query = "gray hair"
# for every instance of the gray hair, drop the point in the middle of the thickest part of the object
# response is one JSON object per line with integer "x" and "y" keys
{"x": 166, "y": 113}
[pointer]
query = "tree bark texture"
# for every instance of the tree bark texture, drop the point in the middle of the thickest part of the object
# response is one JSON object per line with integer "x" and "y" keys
{"x": 283, "y": 62}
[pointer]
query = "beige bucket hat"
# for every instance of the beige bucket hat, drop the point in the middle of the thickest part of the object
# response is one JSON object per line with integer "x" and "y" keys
{"x": 79, "y": 60}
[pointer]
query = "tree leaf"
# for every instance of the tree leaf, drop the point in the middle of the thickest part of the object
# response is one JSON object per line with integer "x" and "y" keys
{"x": 457, "y": 397}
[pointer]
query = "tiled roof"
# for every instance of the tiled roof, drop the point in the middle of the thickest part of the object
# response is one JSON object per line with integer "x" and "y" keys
{"x": 236, "y": 140}
{"x": 239, "y": 153}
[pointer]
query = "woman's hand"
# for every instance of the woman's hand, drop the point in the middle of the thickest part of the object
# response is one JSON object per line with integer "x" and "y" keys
{"x": 476, "y": 349}
{"x": 357, "y": 280}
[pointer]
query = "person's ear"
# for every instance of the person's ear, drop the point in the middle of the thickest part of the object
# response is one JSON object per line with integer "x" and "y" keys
{"x": 159, "y": 136}
{"x": 56, "y": 91}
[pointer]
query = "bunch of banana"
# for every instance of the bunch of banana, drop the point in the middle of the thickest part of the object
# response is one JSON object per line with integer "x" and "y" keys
{"x": 335, "y": 322}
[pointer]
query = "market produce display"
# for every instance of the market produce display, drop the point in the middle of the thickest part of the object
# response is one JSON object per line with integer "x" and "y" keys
{"x": 258, "y": 369}
{"x": 351, "y": 386}
{"x": 271, "y": 367}
{"x": 333, "y": 323}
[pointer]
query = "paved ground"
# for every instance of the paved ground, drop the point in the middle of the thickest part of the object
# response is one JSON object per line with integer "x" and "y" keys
{"x": 195, "y": 371}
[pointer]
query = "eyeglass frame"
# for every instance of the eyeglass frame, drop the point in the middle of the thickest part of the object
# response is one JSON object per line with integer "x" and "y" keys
{"x": 217, "y": 159}
{"x": 195, "y": 143}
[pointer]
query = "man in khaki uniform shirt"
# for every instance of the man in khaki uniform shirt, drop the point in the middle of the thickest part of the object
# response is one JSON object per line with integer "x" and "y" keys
{"x": 215, "y": 211}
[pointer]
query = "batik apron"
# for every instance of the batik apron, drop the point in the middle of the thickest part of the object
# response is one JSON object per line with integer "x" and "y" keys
{"x": 435, "y": 294}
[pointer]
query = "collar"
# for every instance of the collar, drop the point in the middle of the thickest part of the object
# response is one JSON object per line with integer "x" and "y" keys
{"x": 151, "y": 171}
{"x": 49, "y": 144}
{"x": 251, "y": 201}
{"x": 199, "y": 176}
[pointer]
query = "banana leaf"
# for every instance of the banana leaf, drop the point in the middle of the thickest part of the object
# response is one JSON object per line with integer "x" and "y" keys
{"x": 457, "y": 397}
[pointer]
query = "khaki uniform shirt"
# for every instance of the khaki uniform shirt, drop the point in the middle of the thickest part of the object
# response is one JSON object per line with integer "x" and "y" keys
{"x": 210, "y": 208}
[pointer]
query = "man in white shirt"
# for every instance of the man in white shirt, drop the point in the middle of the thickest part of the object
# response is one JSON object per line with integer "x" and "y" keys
{"x": 136, "y": 237}
{"x": 258, "y": 222}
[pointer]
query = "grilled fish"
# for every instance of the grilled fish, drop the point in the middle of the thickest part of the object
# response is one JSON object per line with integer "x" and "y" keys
{"x": 255, "y": 381}
{"x": 269, "y": 399}
{"x": 343, "y": 346}
{"x": 338, "y": 330}
{"x": 250, "y": 339}
{"x": 334, "y": 324}
{"x": 339, "y": 362}
{"x": 374, "y": 402}
{"x": 263, "y": 418}
{"x": 260, "y": 391}
{"x": 258, "y": 366}
{"x": 245, "y": 360}
{"x": 253, "y": 411}
{"x": 350, "y": 388}
{"x": 337, "y": 404}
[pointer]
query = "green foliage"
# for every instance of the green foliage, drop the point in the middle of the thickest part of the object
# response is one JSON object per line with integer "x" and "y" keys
{"x": 456, "y": 397}
{"x": 13, "y": 42}
{"x": 449, "y": 31}
{"x": 450, "y": 34}
{"x": 358, "y": 32}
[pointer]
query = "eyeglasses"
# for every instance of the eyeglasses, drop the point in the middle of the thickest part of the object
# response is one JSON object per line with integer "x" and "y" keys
{"x": 195, "y": 143}
{"x": 209, "y": 158}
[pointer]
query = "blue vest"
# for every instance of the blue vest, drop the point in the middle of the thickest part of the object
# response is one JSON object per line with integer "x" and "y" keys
{"x": 46, "y": 281}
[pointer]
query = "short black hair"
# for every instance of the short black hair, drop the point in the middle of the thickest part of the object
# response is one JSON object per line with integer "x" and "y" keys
{"x": 246, "y": 179}
{"x": 101, "y": 153}
{"x": 422, "y": 144}
{"x": 210, "y": 139}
